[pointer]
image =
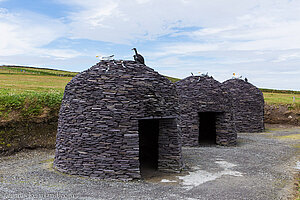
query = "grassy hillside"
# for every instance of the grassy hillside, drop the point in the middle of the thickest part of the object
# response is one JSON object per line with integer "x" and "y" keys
{"x": 172, "y": 79}
{"x": 288, "y": 98}
{"x": 19, "y": 83}
{"x": 279, "y": 91}
{"x": 26, "y": 92}
{"x": 11, "y": 70}
{"x": 283, "y": 99}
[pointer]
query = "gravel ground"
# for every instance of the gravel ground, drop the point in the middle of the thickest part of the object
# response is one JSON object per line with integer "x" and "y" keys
{"x": 262, "y": 166}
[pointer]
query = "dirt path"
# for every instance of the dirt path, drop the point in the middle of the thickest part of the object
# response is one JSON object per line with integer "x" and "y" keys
{"x": 262, "y": 166}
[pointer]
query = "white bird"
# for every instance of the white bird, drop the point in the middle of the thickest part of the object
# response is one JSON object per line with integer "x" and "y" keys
{"x": 122, "y": 63}
{"x": 105, "y": 57}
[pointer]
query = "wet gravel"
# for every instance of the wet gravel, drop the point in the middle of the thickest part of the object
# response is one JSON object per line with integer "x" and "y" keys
{"x": 262, "y": 166}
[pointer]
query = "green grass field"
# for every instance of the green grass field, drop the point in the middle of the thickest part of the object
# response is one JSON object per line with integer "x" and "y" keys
{"x": 34, "y": 71}
{"x": 281, "y": 98}
{"x": 19, "y": 83}
{"x": 29, "y": 90}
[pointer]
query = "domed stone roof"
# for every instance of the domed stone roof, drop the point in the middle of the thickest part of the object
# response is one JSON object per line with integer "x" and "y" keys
{"x": 248, "y": 105}
{"x": 201, "y": 97}
{"x": 100, "y": 121}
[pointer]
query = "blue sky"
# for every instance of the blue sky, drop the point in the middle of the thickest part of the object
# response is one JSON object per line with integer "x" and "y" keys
{"x": 257, "y": 39}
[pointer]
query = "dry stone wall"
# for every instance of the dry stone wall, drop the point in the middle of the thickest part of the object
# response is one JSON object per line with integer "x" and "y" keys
{"x": 248, "y": 105}
{"x": 98, "y": 121}
{"x": 205, "y": 94}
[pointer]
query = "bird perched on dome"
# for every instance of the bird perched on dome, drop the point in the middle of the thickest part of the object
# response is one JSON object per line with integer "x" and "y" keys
{"x": 106, "y": 57}
{"x": 204, "y": 75}
{"x": 138, "y": 57}
{"x": 122, "y": 63}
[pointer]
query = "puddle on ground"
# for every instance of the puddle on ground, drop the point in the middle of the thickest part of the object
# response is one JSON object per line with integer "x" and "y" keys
{"x": 198, "y": 176}
{"x": 188, "y": 180}
{"x": 168, "y": 181}
{"x": 290, "y": 136}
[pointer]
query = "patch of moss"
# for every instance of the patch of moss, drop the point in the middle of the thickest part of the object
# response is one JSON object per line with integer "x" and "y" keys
{"x": 172, "y": 79}
{"x": 297, "y": 146}
{"x": 291, "y": 137}
{"x": 280, "y": 183}
{"x": 267, "y": 130}
{"x": 47, "y": 161}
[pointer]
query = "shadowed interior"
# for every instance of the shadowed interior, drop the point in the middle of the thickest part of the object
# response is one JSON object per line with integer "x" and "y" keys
{"x": 207, "y": 128}
{"x": 148, "y": 145}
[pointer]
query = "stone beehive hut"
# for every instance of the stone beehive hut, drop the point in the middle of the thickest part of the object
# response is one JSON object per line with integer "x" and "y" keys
{"x": 206, "y": 112}
{"x": 248, "y": 105}
{"x": 117, "y": 119}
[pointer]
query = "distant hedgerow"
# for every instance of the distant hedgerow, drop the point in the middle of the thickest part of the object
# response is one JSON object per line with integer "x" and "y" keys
{"x": 29, "y": 103}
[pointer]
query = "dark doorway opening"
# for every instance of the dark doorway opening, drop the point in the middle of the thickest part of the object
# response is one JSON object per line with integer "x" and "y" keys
{"x": 148, "y": 146}
{"x": 207, "y": 128}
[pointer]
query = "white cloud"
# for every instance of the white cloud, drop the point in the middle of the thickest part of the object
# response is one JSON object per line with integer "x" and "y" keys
{"x": 229, "y": 25}
{"x": 26, "y": 33}
{"x": 226, "y": 25}
{"x": 249, "y": 37}
{"x": 234, "y": 36}
{"x": 129, "y": 20}
{"x": 142, "y": 1}
{"x": 187, "y": 48}
{"x": 59, "y": 54}
{"x": 289, "y": 56}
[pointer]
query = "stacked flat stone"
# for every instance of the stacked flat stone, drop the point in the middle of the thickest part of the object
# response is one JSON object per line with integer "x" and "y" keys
{"x": 248, "y": 105}
{"x": 98, "y": 121}
{"x": 205, "y": 94}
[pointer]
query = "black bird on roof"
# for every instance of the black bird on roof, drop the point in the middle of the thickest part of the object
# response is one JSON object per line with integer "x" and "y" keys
{"x": 138, "y": 57}
{"x": 246, "y": 79}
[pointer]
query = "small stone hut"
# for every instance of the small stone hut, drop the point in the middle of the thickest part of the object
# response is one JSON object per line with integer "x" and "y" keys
{"x": 117, "y": 119}
{"x": 248, "y": 105}
{"x": 206, "y": 112}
